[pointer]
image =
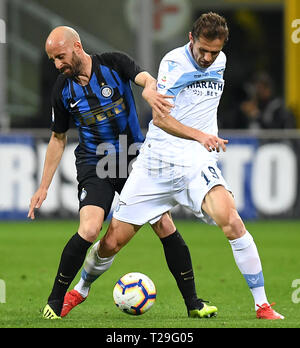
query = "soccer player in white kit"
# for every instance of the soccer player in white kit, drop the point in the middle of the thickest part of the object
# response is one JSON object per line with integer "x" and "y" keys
{"x": 178, "y": 160}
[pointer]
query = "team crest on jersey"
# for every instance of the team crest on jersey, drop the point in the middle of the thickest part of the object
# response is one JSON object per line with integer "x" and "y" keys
{"x": 107, "y": 91}
{"x": 118, "y": 205}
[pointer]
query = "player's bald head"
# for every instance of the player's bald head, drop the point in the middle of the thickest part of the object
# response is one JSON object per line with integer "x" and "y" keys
{"x": 63, "y": 47}
{"x": 62, "y": 36}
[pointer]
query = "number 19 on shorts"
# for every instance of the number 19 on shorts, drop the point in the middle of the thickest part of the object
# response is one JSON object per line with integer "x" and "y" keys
{"x": 209, "y": 174}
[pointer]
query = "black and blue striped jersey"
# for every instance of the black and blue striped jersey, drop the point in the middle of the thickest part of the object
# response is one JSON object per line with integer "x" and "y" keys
{"x": 102, "y": 110}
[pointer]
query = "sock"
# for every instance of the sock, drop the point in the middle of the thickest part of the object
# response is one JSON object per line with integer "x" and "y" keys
{"x": 93, "y": 268}
{"x": 71, "y": 261}
{"x": 248, "y": 261}
{"x": 180, "y": 264}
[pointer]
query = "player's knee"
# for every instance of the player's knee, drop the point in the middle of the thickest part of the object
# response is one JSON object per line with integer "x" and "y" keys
{"x": 232, "y": 225}
{"x": 89, "y": 231}
{"x": 109, "y": 246}
{"x": 164, "y": 227}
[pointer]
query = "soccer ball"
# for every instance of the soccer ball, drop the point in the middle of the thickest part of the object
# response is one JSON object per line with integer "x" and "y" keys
{"x": 134, "y": 293}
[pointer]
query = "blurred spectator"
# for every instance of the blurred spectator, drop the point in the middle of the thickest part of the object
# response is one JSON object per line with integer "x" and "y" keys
{"x": 261, "y": 108}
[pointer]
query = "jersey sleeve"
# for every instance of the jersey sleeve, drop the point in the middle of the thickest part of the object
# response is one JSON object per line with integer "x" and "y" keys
{"x": 169, "y": 74}
{"x": 60, "y": 116}
{"x": 123, "y": 64}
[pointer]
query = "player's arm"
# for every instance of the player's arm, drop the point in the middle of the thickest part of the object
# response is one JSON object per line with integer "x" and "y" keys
{"x": 172, "y": 126}
{"x": 54, "y": 154}
{"x": 157, "y": 101}
{"x": 130, "y": 71}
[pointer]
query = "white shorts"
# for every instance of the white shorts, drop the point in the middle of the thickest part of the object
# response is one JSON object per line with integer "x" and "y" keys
{"x": 149, "y": 193}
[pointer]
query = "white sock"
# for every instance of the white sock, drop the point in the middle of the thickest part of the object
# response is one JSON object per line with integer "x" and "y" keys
{"x": 248, "y": 261}
{"x": 94, "y": 267}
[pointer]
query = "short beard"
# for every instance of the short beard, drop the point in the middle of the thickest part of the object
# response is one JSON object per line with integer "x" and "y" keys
{"x": 74, "y": 68}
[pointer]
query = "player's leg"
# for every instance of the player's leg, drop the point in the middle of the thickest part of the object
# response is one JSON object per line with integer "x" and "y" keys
{"x": 178, "y": 257}
{"x": 82, "y": 288}
{"x": 179, "y": 261}
{"x": 90, "y": 222}
{"x": 102, "y": 254}
{"x": 73, "y": 255}
{"x": 119, "y": 233}
{"x": 98, "y": 261}
{"x": 220, "y": 205}
{"x": 94, "y": 208}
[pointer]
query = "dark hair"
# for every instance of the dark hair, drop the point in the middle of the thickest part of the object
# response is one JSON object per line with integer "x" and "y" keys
{"x": 211, "y": 26}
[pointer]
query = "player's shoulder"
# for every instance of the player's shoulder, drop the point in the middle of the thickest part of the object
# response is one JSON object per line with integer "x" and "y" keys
{"x": 120, "y": 62}
{"x": 175, "y": 60}
{"x": 111, "y": 58}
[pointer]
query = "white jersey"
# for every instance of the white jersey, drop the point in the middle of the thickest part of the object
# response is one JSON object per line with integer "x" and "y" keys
{"x": 197, "y": 94}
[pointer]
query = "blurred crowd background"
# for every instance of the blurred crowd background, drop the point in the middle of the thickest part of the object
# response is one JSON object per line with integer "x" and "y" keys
{"x": 258, "y": 52}
{"x": 259, "y": 111}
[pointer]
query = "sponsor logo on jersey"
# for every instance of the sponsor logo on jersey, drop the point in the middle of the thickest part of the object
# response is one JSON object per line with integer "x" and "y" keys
{"x": 72, "y": 105}
{"x": 218, "y": 86}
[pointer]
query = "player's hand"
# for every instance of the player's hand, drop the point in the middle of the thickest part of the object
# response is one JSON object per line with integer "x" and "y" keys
{"x": 212, "y": 142}
{"x": 36, "y": 202}
{"x": 158, "y": 102}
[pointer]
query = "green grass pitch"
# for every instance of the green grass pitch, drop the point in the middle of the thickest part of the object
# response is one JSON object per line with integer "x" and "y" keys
{"x": 30, "y": 251}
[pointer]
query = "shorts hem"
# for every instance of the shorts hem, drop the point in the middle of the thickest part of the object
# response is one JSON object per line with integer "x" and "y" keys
{"x": 128, "y": 221}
